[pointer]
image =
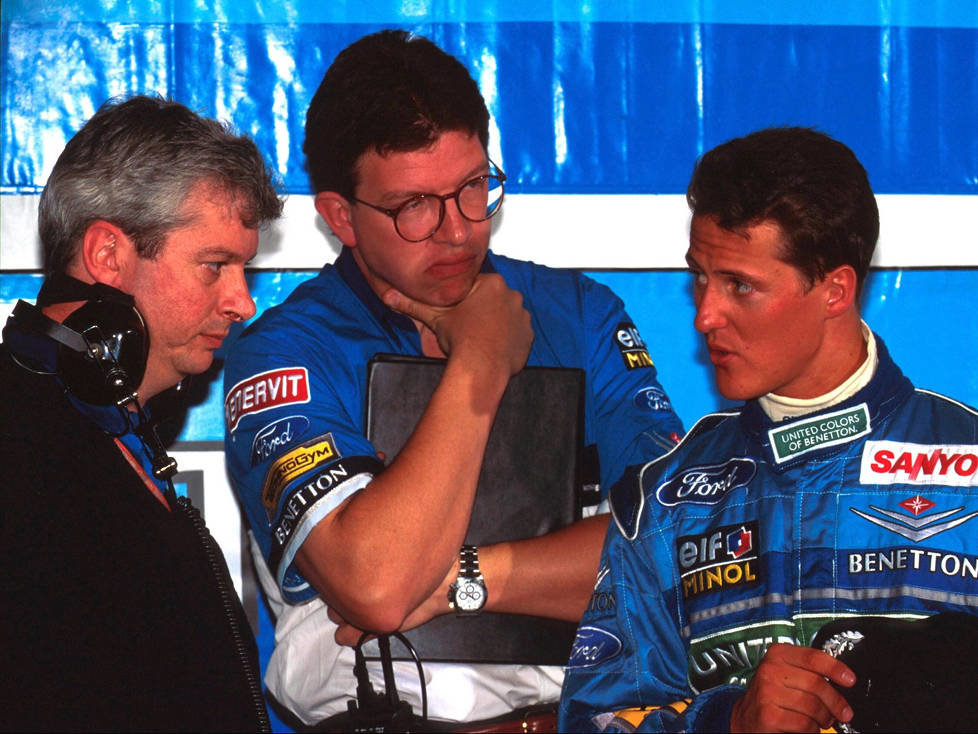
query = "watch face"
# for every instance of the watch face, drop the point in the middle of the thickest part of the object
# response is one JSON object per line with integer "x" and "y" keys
{"x": 470, "y": 596}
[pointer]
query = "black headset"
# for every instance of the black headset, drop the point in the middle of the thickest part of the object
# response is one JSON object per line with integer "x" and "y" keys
{"x": 102, "y": 348}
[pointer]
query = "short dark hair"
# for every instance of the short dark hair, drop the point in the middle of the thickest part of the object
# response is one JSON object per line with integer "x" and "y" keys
{"x": 134, "y": 163}
{"x": 390, "y": 91}
{"x": 812, "y": 186}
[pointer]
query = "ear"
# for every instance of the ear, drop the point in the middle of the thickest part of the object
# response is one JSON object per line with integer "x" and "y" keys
{"x": 104, "y": 252}
{"x": 336, "y": 211}
{"x": 840, "y": 290}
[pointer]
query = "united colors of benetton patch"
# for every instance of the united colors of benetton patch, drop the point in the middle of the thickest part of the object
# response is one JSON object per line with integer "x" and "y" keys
{"x": 811, "y": 434}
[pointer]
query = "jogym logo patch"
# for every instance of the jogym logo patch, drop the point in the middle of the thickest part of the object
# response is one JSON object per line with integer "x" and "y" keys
{"x": 294, "y": 464}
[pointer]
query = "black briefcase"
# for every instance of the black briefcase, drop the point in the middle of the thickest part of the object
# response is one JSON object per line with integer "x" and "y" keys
{"x": 530, "y": 484}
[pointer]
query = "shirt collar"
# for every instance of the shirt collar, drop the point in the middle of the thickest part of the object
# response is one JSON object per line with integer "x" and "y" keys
{"x": 779, "y": 408}
{"x": 886, "y": 390}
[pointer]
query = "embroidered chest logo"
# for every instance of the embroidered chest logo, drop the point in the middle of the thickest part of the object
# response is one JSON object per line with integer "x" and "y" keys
{"x": 831, "y": 429}
{"x": 719, "y": 559}
{"x": 919, "y": 523}
{"x": 706, "y": 485}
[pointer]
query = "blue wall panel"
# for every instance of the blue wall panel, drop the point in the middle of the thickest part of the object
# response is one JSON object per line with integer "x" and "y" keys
{"x": 582, "y": 107}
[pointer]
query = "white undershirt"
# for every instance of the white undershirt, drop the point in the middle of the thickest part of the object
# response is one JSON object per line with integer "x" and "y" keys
{"x": 779, "y": 408}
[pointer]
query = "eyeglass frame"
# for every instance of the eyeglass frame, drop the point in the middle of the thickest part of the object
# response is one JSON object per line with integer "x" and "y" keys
{"x": 442, "y": 198}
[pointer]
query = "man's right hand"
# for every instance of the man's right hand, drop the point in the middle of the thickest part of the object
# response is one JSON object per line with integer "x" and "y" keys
{"x": 385, "y": 550}
{"x": 488, "y": 326}
{"x": 791, "y": 691}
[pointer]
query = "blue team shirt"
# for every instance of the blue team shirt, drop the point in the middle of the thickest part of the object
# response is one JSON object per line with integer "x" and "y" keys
{"x": 295, "y": 389}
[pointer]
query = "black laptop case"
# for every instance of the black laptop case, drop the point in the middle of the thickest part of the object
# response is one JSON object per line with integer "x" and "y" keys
{"x": 530, "y": 484}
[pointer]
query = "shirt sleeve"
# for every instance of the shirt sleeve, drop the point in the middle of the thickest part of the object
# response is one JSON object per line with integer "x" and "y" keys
{"x": 631, "y": 419}
{"x": 628, "y": 666}
{"x": 294, "y": 443}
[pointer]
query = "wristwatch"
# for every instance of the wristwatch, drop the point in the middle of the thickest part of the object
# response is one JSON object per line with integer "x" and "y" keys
{"x": 467, "y": 596}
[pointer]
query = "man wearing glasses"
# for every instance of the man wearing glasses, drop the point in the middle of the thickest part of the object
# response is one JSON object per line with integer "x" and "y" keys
{"x": 396, "y": 144}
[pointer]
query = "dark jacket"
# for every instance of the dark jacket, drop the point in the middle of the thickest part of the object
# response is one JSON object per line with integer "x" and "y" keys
{"x": 113, "y": 617}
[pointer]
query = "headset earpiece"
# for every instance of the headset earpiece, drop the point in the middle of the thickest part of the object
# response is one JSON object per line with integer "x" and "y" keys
{"x": 114, "y": 364}
{"x": 102, "y": 348}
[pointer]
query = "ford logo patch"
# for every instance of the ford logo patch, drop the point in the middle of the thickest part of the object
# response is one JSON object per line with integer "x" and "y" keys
{"x": 651, "y": 398}
{"x": 592, "y": 646}
{"x": 275, "y": 436}
{"x": 705, "y": 485}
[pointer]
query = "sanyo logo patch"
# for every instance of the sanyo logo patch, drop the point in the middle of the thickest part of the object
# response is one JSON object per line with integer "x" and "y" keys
{"x": 893, "y": 462}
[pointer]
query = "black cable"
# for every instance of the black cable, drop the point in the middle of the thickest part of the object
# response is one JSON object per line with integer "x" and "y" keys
{"x": 366, "y": 695}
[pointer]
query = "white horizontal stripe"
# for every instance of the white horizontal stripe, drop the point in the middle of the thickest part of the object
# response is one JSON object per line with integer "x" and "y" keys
{"x": 588, "y": 231}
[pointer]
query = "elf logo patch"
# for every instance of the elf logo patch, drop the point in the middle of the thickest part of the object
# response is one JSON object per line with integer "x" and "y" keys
{"x": 719, "y": 559}
{"x": 631, "y": 346}
{"x": 265, "y": 391}
{"x": 740, "y": 542}
{"x": 894, "y": 462}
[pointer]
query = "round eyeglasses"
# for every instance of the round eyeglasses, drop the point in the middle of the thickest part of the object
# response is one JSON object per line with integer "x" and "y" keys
{"x": 419, "y": 217}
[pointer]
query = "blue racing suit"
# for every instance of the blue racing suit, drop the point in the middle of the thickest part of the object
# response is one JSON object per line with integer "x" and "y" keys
{"x": 751, "y": 532}
{"x": 295, "y": 389}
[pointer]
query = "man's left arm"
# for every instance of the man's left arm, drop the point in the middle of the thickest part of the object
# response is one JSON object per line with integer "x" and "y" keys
{"x": 628, "y": 666}
{"x": 630, "y": 419}
{"x": 548, "y": 576}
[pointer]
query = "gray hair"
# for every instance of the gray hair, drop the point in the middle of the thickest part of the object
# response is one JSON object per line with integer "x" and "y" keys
{"x": 134, "y": 163}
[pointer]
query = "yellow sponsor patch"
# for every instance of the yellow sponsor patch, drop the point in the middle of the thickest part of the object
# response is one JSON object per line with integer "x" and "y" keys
{"x": 294, "y": 464}
{"x": 635, "y": 716}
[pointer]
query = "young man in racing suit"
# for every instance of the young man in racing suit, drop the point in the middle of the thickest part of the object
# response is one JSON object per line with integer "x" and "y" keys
{"x": 838, "y": 489}
{"x": 396, "y": 144}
